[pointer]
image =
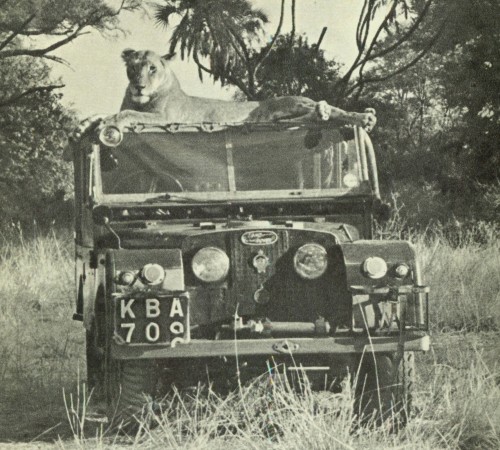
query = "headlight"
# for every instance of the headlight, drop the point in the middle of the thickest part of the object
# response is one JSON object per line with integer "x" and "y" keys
{"x": 210, "y": 264}
{"x": 374, "y": 267}
{"x": 110, "y": 136}
{"x": 152, "y": 274}
{"x": 310, "y": 261}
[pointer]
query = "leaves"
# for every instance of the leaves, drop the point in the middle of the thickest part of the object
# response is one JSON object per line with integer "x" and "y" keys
{"x": 31, "y": 140}
{"x": 33, "y": 124}
{"x": 220, "y": 35}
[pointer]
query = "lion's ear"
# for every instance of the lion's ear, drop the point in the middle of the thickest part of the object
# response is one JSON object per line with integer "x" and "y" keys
{"x": 127, "y": 54}
{"x": 168, "y": 56}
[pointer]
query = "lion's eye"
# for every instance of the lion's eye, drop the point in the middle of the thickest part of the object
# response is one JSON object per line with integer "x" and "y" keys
{"x": 152, "y": 69}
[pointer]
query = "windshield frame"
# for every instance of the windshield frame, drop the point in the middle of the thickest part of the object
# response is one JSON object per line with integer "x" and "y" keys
{"x": 368, "y": 182}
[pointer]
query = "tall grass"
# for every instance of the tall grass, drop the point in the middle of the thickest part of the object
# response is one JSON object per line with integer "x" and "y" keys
{"x": 465, "y": 283}
{"x": 457, "y": 399}
{"x": 457, "y": 393}
{"x": 461, "y": 263}
{"x": 40, "y": 346}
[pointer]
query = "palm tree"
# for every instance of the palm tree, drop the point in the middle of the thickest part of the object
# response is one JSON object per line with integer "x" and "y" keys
{"x": 222, "y": 37}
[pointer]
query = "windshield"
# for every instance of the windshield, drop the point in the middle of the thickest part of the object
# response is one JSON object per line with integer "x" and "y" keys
{"x": 230, "y": 161}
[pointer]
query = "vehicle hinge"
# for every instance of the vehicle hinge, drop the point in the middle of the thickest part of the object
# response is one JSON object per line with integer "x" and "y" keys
{"x": 93, "y": 259}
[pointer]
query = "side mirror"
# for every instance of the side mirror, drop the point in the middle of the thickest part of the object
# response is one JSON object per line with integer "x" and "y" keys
{"x": 382, "y": 211}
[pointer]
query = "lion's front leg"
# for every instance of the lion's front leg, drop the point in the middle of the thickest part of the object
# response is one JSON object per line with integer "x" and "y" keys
{"x": 128, "y": 118}
{"x": 366, "y": 120}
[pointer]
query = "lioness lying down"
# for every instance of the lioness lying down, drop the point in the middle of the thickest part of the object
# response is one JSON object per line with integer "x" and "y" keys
{"x": 154, "y": 96}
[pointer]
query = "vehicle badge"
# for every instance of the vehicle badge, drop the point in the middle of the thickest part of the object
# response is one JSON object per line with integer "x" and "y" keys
{"x": 260, "y": 262}
{"x": 261, "y": 237}
{"x": 261, "y": 296}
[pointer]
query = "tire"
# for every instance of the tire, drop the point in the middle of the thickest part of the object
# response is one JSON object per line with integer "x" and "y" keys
{"x": 131, "y": 388}
{"x": 94, "y": 359}
{"x": 383, "y": 389}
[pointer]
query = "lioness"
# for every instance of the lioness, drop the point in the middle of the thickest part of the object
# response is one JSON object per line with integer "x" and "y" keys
{"x": 154, "y": 96}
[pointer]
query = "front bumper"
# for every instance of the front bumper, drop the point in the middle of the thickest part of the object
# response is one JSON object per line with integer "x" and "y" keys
{"x": 271, "y": 347}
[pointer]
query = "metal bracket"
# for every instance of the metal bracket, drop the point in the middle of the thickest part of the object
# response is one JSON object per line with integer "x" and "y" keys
{"x": 285, "y": 347}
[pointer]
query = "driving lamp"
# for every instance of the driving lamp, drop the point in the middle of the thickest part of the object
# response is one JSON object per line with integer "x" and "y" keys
{"x": 310, "y": 261}
{"x": 374, "y": 267}
{"x": 110, "y": 136}
{"x": 401, "y": 270}
{"x": 210, "y": 264}
{"x": 125, "y": 278}
{"x": 152, "y": 274}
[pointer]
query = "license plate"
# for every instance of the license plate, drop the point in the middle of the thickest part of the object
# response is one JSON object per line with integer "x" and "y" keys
{"x": 151, "y": 320}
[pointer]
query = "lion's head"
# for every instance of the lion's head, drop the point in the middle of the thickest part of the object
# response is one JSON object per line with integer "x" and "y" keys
{"x": 147, "y": 72}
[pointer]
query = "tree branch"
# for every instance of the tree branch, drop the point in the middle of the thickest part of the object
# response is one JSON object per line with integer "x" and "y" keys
{"x": 16, "y": 32}
{"x": 361, "y": 22}
{"x": 42, "y": 51}
{"x": 15, "y": 98}
{"x": 273, "y": 40}
{"x": 407, "y": 35}
{"x": 362, "y": 63}
{"x": 57, "y": 59}
{"x": 407, "y": 66}
{"x": 361, "y": 40}
{"x": 378, "y": 32}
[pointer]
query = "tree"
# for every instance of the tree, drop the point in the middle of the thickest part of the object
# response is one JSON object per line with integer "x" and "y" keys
{"x": 225, "y": 38}
{"x": 33, "y": 125}
{"x": 296, "y": 67}
{"x": 33, "y": 177}
{"x": 36, "y": 28}
{"x": 224, "y": 32}
{"x": 439, "y": 120}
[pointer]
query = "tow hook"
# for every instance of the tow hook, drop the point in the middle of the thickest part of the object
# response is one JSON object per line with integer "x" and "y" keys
{"x": 285, "y": 347}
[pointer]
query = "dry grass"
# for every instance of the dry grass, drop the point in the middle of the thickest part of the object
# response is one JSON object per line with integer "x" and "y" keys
{"x": 457, "y": 393}
{"x": 457, "y": 402}
{"x": 40, "y": 346}
{"x": 465, "y": 283}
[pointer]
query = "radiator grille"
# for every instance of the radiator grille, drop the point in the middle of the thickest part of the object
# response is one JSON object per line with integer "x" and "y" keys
{"x": 290, "y": 297}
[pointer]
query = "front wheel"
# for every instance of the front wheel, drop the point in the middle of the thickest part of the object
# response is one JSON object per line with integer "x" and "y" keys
{"x": 384, "y": 387}
{"x": 131, "y": 388}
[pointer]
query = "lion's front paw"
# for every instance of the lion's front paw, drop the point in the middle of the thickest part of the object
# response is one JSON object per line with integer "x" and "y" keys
{"x": 323, "y": 110}
{"x": 369, "y": 119}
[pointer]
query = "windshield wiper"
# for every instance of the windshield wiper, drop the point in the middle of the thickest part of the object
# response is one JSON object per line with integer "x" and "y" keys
{"x": 179, "y": 199}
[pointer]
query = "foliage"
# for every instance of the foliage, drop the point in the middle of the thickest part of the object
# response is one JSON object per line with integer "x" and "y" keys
{"x": 225, "y": 32}
{"x": 36, "y": 28}
{"x": 439, "y": 120}
{"x": 33, "y": 177}
{"x": 34, "y": 182}
{"x": 296, "y": 67}
{"x": 229, "y": 35}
